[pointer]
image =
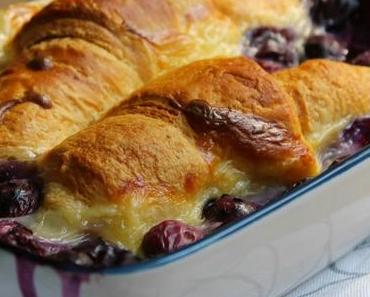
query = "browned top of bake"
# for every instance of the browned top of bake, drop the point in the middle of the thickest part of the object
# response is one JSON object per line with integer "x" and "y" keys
{"x": 73, "y": 91}
{"x": 155, "y": 127}
{"x": 211, "y": 125}
{"x": 325, "y": 93}
{"x": 247, "y": 100}
{"x": 101, "y": 52}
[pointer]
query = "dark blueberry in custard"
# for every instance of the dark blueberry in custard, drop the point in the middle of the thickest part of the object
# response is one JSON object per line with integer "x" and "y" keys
{"x": 358, "y": 133}
{"x": 15, "y": 235}
{"x": 228, "y": 208}
{"x": 331, "y": 13}
{"x": 272, "y": 48}
{"x": 20, "y": 189}
{"x": 169, "y": 236}
{"x": 19, "y": 197}
{"x": 325, "y": 46}
{"x": 94, "y": 253}
{"x": 354, "y": 138}
{"x": 10, "y": 169}
{"x": 362, "y": 59}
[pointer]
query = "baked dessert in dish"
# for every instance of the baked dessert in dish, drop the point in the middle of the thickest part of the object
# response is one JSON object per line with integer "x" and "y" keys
{"x": 130, "y": 129}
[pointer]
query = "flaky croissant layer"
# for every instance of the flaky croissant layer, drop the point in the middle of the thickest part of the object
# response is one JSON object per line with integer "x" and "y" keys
{"x": 99, "y": 51}
{"x": 215, "y": 127}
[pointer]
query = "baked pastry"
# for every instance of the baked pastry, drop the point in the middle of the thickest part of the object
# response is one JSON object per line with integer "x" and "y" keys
{"x": 211, "y": 128}
{"x": 110, "y": 60}
{"x": 325, "y": 98}
{"x": 100, "y": 61}
{"x": 199, "y": 147}
{"x": 106, "y": 53}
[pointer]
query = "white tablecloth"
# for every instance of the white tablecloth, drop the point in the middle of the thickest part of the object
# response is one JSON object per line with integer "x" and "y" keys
{"x": 349, "y": 277}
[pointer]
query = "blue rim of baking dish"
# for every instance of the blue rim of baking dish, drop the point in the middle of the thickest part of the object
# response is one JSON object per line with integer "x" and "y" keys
{"x": 244, "y": 223}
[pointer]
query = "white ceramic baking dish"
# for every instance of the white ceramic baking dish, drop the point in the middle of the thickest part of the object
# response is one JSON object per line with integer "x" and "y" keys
{"x": 264, "y": 255}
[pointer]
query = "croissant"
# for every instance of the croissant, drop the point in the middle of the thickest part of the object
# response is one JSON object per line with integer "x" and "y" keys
{"x": 327, "y": 94}
{"x": 77, "y": 59}
{"x": 213, "y": 127}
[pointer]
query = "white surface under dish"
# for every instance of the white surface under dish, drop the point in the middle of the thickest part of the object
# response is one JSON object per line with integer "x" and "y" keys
{"x": 263, "y": 255}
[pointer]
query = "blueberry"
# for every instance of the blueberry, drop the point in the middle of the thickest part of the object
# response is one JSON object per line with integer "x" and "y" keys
{"x": 272, "y": 48}
{"x": 325, "y": 46}
{"x": 354, "y": 138}
{"x": 228, "y": 208}
{"x": 15, "y": 235}
{"x": 11, "y": 169}
{"x": 169, "y": 236}
{"x": 358, "y": 133}
{"x": 95, "y": 253}
{"x": 19, "y": 198}
{"x": 362, "y": 59}
{"x": 331, "y": 13}
{"x": 92, "y": 252}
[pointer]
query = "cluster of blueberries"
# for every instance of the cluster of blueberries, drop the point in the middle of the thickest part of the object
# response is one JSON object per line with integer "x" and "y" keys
{"x": 21, "y": 195}
{"x": 341, "y": 34}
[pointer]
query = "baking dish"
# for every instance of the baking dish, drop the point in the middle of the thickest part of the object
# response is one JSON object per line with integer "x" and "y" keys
{"x": 264, "y": 255}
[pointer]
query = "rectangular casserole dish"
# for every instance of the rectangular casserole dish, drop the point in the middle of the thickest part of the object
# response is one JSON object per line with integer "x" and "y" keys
{"x": 263, "y": 255}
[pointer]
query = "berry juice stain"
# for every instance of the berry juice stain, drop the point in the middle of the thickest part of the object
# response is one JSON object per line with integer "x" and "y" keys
{"x": 26, "y": 276}
{"x": 70, "y": 283}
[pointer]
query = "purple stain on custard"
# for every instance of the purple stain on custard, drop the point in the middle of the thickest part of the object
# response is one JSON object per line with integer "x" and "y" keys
{"x": 30, "y": 96}
{"x": 26, "y": 274}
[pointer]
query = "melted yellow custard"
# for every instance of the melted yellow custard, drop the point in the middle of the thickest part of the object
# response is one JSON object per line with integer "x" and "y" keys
{"x": 67, "y": 217}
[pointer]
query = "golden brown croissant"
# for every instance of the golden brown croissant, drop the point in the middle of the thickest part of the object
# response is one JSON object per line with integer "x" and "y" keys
{"x": 210, "y": 128}
{"x": 76, "y": 59}
{"x": 327, "y": 94}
